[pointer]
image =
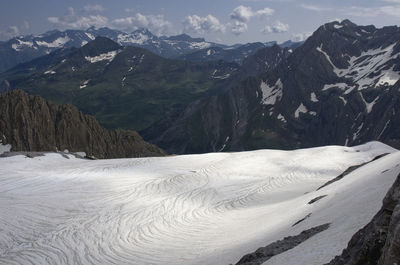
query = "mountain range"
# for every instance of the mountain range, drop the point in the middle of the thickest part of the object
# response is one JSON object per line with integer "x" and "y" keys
{"x": 339, "y": 87}
{"x": 22, "y": 49}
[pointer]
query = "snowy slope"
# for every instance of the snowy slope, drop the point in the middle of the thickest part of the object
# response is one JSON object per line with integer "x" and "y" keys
{"x": 193, "y": 209}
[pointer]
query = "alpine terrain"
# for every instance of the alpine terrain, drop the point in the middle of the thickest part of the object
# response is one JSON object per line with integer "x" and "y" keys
{"x": 339, "y": 87}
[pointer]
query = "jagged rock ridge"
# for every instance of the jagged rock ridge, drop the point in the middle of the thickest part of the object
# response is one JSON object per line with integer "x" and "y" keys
{"x": 29, "y": 123}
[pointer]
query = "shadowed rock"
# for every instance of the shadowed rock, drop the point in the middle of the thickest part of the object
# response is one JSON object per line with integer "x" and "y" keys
{"x": 29, "y": 123}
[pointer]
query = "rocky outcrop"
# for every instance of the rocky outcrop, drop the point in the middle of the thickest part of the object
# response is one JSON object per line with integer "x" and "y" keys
{"x": 29, "y": 123}
{"x": 379, "y": 241}
{"x": 263, "y": 254}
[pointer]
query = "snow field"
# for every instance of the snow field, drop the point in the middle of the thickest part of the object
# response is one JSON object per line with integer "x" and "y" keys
{"x": 192, "y": 209}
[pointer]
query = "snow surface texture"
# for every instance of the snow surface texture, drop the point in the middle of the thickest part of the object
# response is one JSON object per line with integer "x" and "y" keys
{"x": 192, "y": 209}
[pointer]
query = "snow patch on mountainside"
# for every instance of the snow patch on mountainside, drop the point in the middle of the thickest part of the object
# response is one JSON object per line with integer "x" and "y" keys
{"x": 313, "y": 97}
{"x": 57, "y": 43}
{"x": 271, "y": 94}
{"x": 109, "y": 56}
{"x": 199, "y": 45}
{"x": 138, "y": 38}
{"x": 300, "y": 109}
{"x": 341, "y": 86}
{"x": 369, "y": 69}
{"x": 22, "y": 44}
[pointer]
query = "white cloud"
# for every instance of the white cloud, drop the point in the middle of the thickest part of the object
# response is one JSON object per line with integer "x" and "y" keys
{"x": 155, "y": 23}
{"x": 277, "y": 27}
{"x": 391, "y": 1}
{"x": 301, "y": 36}
{"x": 8, "y": 33}
{"x": 265, "y": 12}
{"x": 129, "y": 10}
{"x": 199, "y": 24}
{"x": 93, "y": 8}
{"x": 25, "y": 25}
{"x": 245, "y": 13}
{"x": 391, "y": 10}
{"x": 76, "y": 21}
{"x": 238, "y": 27}
{"x": 314, "y": 7}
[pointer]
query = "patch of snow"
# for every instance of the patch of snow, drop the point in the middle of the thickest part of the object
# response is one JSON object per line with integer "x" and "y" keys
{"x": 84, "y": 42}
{"x": 90, "y": 36}
{"x": 49, "y": 72}
{"x": 343, "y": 99}
{"x": 85, "y": 83}
{"x": 21, "y": 44}
{"x": 388, "y": 78}
{"x": 368, "y": 105}
{"x": 57, "y": 43}
{"x": 73, "y": 68}
{"x": 336, "y": 26}
{"x": 138, "y": 38}
{"x": 225, "y": 143}
{"x": 313, "y": 113}
{"x": 109, "y": 56}
{"x": 271, "y": 94}
{"x": 300, "y": 109}
{"x": 281, "y": 118}
{"x": 341, "y": 86}
{"x": 199, "y": 45}
{"x": 384, "y": 128}
{"x": 4, "y": 148}
{"x": 313, "y": 97}
{"x": 357, "y": 133}
{"x": 369, "y": 63}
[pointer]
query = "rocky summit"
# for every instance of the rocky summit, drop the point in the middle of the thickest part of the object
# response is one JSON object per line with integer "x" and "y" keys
{"x": 29, "y": 123}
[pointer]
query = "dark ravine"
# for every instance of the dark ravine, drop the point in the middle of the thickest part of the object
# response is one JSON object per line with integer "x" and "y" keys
{"x": 29, "y": 123}
{"x": 379, "y": 241}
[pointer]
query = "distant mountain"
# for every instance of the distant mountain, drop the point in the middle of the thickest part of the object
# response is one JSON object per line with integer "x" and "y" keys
{"x": 339, "y": 87}
{"x": 29, "y": 123}
{"x": 235, "y": 53}
{"x": 123, "y": 87}
{"x": 26, "y": 48}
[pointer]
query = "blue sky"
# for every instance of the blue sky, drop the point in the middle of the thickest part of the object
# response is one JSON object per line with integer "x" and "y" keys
{"x": 225, "y": 21}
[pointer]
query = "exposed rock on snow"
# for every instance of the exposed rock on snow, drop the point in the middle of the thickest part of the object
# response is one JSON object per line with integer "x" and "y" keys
{"x": 265, "y": 253}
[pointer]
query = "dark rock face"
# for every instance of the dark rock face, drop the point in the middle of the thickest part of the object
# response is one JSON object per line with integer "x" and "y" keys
{"x": 379, "y": 241}
{"x": 29, "y": 123}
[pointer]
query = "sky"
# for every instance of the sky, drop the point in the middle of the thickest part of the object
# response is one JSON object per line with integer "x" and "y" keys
{"x": 223, "y": 21}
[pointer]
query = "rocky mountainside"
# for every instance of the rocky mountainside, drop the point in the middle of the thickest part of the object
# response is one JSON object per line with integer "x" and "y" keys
{"x": 379, "y": 241}
{"x": 123, "y": 87}
{"x": 29, "y": 123}
{"x": 340, "y": 87}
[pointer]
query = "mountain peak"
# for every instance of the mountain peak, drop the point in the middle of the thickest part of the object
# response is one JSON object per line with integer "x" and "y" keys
{"x": 100, "y": 45}
{"x": 185, "y": 37}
